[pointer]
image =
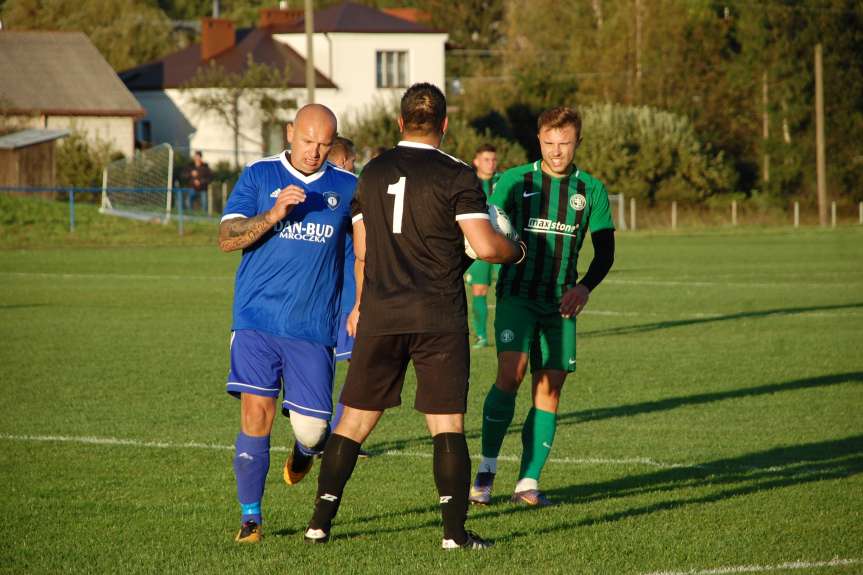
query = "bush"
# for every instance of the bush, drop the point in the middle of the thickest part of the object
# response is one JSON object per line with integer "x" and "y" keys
{"x": 378, "y": 127}
{"x": 80, "y": 163}
{"x": 651, "y": 154}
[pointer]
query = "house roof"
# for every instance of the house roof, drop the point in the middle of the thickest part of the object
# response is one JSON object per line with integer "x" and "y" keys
{"x": 350, "y": 17}
{"x": 31, "y": 137}
{"x": 59, "y": 73}
{"x": 176, "y": 69}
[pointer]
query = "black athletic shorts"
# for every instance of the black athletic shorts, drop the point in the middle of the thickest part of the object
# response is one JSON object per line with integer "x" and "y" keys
{"x": 378, "y": 364}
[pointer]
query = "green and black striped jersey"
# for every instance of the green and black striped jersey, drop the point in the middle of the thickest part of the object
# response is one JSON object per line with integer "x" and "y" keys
{"x": 551, "y": 216}
{"x": 488, "y": 185}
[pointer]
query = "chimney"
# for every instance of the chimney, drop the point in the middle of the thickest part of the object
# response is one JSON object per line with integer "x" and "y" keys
{"x": 275, "y": 17}
{"x": 217, "y": 36}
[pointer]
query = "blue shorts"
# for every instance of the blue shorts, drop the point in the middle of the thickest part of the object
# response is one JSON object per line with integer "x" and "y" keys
{"x": 263, "y": 364}
{"x": 345, "y": 343}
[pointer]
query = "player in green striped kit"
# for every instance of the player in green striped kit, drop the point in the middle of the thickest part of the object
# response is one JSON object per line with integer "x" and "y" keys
{"x": 551, "y": 203}
{"x": 478, "y": 275}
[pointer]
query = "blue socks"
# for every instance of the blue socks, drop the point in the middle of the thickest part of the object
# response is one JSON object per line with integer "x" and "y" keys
{"x": 251, "y": 464}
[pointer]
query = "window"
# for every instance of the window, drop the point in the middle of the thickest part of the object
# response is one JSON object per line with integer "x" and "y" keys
{"x": 145, "y": 131}
{"x": 392, "y": 69}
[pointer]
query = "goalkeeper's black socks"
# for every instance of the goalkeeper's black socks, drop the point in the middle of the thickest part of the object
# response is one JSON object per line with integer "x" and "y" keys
{"x": 452, "y": 477}
{"x": 339, "y": 460}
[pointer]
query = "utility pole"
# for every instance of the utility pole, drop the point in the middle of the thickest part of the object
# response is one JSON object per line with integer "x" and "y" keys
{"x": 766, "y": 126}
{"x": 215, "y": 8}
{"x": 310, "y": 53}
{"x": 819, "y": 138}
{"x": 638, "y": 52}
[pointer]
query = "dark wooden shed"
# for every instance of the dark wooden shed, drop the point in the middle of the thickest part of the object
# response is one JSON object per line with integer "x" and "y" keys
{"x": 28, "y": 158}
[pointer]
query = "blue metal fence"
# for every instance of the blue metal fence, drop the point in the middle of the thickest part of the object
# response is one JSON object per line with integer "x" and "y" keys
{"x": 71, "y": 191}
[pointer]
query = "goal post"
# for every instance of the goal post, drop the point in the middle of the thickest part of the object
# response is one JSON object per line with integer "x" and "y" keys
{"x": 617, "y": 204}
{"x": 140, "y": 187}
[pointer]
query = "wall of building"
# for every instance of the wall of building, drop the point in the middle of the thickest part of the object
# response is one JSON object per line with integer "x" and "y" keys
{"x": 118, "y": 131}
{"x": 176, "y": 120}
{"x": 30, "y": 166}
{"x": 349, "y": 60}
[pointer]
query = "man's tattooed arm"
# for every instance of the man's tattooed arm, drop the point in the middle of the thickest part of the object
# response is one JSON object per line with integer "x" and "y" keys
{"x": 240, "y": 233}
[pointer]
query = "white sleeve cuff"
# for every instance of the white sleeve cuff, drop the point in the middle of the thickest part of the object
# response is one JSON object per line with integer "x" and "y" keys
{"x": 479, "y": 216}
{"x": 227, "y": 217}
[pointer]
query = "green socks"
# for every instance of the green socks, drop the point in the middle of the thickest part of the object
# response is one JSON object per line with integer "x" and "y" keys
{"x": 497, "y": 414}
{"x": 537, "y": 437}
{"x": 480, "y": 315}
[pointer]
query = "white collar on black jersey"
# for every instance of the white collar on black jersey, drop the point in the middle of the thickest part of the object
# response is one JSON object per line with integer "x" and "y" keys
{"x": 407, "y": 144}
{"x": 283, "y": 157}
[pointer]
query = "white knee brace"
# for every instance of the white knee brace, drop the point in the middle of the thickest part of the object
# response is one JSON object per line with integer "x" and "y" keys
{"x": 309, "y": 431}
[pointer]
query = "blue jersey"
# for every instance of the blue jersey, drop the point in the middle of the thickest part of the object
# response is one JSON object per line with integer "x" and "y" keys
{"x": 349, "y": 284}
{"x": 289, "y": 281}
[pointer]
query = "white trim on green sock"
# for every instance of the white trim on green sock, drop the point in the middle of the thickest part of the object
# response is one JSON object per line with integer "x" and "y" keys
{"x": 526, "y": 484}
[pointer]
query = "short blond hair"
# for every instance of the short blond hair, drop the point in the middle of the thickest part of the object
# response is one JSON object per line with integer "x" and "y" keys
{"x": 555, "y": 118}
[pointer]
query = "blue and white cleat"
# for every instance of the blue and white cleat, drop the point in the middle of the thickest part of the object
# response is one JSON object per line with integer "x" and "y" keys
{"x": 480, "y": 491}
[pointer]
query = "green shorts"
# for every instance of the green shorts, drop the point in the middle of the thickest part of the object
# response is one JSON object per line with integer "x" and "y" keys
{"x": 479, "y": 273}
{"x": 535, "y": 327}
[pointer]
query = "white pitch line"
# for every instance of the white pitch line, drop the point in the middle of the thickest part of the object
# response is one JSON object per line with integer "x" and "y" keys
{"x": 702, "y": 315}
{"x": 696, "y": 283}
{"x": 644, "y": 281}
{"x": 763, "y": 568}
{"x": 116, "y": 441}
{"x": 114, "y": 276}
{"x": 564, "y": 460}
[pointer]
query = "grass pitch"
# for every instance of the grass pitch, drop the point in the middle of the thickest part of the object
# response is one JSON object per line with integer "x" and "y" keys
{"x": 714, "y": 421}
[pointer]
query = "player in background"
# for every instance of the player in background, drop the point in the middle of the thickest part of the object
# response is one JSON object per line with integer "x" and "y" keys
{"x": 413, "y": 208}
{"x": 479, "y": 274}
{"x": 290, "y": 215}
{"x": 551, "y": 203}
{"x": 343, "y": 155}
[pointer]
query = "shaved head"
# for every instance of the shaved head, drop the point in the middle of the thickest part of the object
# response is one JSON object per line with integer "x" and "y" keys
{"x": 316, "y": 113}
{"x": 312, "y": 139}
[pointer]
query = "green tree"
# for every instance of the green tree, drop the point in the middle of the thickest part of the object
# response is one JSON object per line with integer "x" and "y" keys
{"x": 126, "y": 33}
{"x": 701, "y": 59}
{"x": 80, "y": 162}
{"x": 651, "y": 154}
{"x": 779, "y": 39}
{"x": 378, "y": 127}
{"x": 212, "y": 90}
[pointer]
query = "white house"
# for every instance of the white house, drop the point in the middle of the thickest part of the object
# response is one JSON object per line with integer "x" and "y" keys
{"x": 361, "y": 56}
{"x": 60, "y": 81}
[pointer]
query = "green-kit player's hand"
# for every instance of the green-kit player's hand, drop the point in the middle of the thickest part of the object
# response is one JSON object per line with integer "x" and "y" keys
{"x": 574, "y": 300}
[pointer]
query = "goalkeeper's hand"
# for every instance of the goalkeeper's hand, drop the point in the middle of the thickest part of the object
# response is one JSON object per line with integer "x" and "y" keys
{"x": 574, "y": 300}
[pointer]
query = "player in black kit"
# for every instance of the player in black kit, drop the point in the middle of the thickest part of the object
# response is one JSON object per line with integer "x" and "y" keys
{"x": 412, "y": 209}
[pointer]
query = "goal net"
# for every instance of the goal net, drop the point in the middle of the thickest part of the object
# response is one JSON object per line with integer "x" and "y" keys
{"x": 140, "y": 187}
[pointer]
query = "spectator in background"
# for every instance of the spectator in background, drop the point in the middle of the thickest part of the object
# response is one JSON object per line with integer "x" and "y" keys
{"x": 198, "y": 177}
